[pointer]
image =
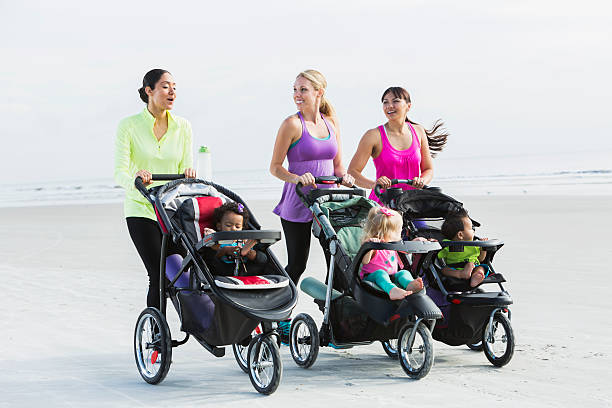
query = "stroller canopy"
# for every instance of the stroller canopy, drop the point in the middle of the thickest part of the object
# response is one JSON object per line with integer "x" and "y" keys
{"x": 428, "y": 204}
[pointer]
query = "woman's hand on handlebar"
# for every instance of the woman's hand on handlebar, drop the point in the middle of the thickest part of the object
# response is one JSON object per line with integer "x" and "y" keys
{"x": 145, "y": 175}
{"x": 348, "y": 180}
{"x": 306, "y": 179}
{"x": 190, "y": 173}
{"x": 384, "y": 182}
{"x": 418, "y": 182}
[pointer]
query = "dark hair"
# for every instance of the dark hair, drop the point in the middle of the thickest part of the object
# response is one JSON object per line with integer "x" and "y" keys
{"x": 150, "y": 79}
{"x": 231, "y": 206}
{"x": 453, "y": 223}
{"x": 436, "y": 136}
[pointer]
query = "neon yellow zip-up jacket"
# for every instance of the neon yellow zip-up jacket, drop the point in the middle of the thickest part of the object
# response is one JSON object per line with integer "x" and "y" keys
{"x": 137, "y": 148}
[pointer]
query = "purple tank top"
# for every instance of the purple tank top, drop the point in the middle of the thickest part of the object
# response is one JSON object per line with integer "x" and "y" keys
{"x": 398, "y": 164}
{"x": 308, "y": 155}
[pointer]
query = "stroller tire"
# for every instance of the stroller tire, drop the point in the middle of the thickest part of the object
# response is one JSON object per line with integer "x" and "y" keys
{"x": 476, "y": 346}
{"x": 390, "y": 347}
{"x": 498, "y": 340}
{"x": 241, "y": 356}
{"x": 152, "y": 345}
{"x": 241, "y": 351}
{"x": 416, "y": 357}
{"x": 264, "y": 363}
{"x": 304, "y": 340}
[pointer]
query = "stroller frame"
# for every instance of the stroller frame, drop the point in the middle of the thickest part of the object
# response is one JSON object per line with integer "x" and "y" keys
{"x": 407, "y": 319}
{"x": 245, "y": 319}
{"x": 455, "y": 291}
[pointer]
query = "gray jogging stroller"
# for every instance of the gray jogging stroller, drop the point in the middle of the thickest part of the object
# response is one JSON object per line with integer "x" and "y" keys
{"x": 357, "y": 312}
{"x": 217, "y": 309}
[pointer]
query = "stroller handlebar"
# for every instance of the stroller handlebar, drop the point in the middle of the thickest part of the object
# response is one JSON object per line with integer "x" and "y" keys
{"x": 318, "y": 180}
{"x": 154, "y": 177}
{"x": 378, "y": 187}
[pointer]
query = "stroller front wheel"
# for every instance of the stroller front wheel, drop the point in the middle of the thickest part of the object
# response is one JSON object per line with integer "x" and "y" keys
{"x": 152, "y": 345}
{"x": 265, "y": 365}
{"x": 416, "y": 356}
{"x": 304, "y": 340}
{"x": 498, "y": 340}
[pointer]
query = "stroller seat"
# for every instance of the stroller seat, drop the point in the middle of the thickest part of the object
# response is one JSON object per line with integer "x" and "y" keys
{"x": 453, "y": 284}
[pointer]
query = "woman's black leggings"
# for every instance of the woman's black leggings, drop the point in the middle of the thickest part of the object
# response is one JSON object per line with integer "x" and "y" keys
{"x": 147, "y": 238}
{"x": 297, "y": 239}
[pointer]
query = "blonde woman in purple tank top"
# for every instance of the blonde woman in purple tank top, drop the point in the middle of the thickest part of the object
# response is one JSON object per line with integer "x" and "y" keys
{"x": 310, "y": 141}
{"x": 400, "y": 149}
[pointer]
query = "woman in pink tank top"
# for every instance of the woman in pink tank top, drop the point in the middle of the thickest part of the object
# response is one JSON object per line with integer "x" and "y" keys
{"x": 400, "y": 149}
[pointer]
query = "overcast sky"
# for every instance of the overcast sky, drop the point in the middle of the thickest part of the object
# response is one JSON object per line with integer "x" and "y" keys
{"x": 519, "y": 77}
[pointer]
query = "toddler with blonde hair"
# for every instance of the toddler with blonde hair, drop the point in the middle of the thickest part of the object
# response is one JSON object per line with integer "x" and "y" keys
{"x": 381, "y": 266}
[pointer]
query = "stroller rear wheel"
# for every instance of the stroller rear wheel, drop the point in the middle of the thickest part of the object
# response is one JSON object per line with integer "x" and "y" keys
{"x": 475, "y": 346}
{"x": 390, "y": 347}
{"x": 241, "y": 350}
{"x": 152, "y": 345}
{"x": 416, "y": 356}
{"x": 265, "y": 365}
{"x": 241, "y": 355}
{"x": 498, "y": 340}
{"x": 304, "y": 340}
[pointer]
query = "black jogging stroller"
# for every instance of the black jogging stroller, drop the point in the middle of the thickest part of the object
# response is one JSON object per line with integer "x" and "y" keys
{"x": 239, "y": 310}
{"x": 357, "y": 312}
{"x": 472, "y": 316}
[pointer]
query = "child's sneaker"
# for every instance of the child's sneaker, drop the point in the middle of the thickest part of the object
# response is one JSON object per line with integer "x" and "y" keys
{"x": 284, "y": 330}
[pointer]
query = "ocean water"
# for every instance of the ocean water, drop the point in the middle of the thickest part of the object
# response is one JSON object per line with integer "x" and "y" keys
{"x": 507, "y": 175}
{"x": 260, "y": 185}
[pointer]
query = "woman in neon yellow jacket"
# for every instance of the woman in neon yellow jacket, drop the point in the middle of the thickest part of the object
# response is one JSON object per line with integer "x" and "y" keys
{"x": 152, "y": 141}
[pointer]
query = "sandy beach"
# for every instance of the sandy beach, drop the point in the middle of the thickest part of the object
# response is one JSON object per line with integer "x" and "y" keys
{"x": 73, "y": 286}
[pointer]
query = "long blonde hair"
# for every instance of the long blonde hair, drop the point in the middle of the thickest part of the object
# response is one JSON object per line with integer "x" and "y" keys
{"x": 379, "y": 223}
{"x": 318, "y": 81}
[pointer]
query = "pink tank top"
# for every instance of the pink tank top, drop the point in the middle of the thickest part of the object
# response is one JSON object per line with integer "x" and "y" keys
{"x": 398, "y": 164}
{"x": 384, "y": 259}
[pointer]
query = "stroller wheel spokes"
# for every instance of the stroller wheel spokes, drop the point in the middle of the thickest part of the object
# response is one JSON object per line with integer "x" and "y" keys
{"x": 304, "y": 340}
{"x": 264, "y": 363}
{"x": 498, "y": 340}
{"x": 390, "y": 347}
{"x": 152, "y": 346}
{"x": 415, "y": 350}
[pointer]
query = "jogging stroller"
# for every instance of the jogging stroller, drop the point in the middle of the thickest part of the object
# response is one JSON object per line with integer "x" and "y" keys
{"x": 357, "y": 312}
{"x": 215, "y": 310}
{"x": 471, "y": 316}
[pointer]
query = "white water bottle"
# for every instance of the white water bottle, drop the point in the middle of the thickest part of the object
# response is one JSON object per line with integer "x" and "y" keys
{"x": 204, "y": 170}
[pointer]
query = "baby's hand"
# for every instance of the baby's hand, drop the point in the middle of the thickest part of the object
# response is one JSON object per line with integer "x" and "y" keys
{"x": 227, "y": 251}
{"x": 208, "y": 231}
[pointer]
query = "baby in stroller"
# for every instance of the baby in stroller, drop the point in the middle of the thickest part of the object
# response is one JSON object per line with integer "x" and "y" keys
{"x": 225, "y": 258}
{"x": 381, "y": 266}
{"x": 466, "y": 264}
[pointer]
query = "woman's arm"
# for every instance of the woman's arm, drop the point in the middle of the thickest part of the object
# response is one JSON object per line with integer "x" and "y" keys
{"x": 289, "y": 132}
{"x": 186, "y": 163}
{"x": 124, "y": 172}
{"x": 365, "y": 150}
{"x": 427, "y": 171}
